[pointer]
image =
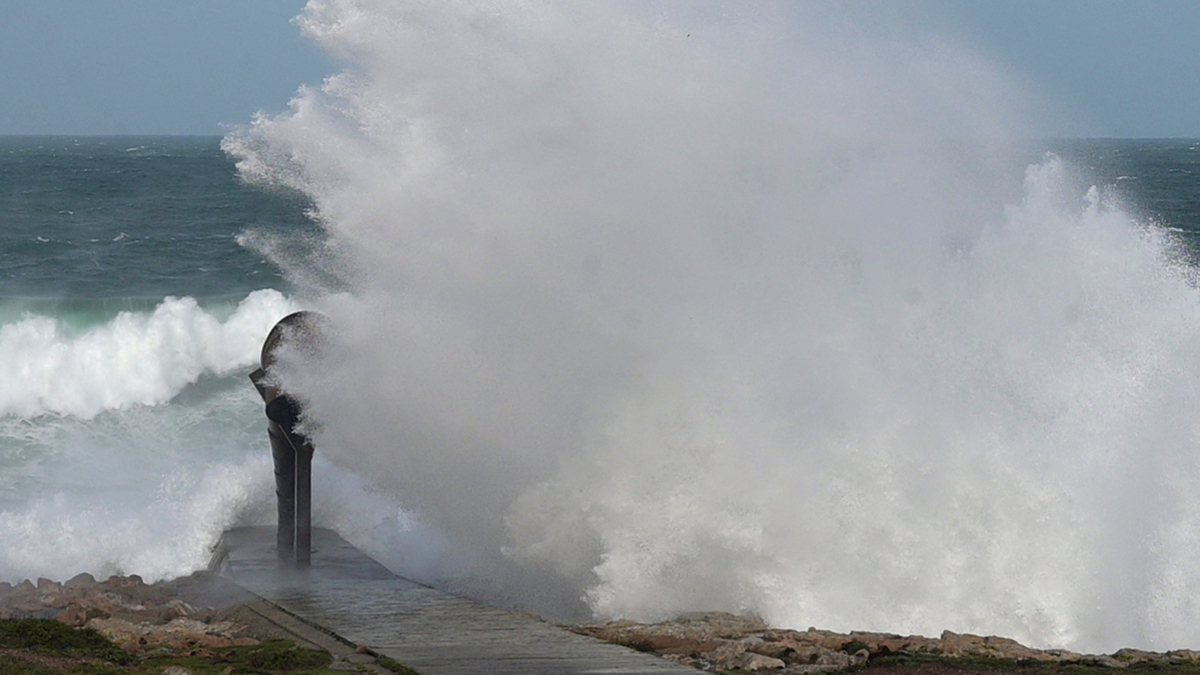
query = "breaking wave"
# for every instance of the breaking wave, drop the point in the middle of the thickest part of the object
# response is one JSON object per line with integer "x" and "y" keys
{"x": 656, "y": 309}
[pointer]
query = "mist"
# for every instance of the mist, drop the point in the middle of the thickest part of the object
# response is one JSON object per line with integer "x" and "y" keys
{"x": 645, "y": 308}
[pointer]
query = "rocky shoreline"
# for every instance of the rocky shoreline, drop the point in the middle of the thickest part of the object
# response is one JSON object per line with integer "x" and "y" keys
{"x": 197, "y": 614}
{"x": 198, "y": 619}
{"x": 140, "y": 618}
{"x": 720, "y": 642}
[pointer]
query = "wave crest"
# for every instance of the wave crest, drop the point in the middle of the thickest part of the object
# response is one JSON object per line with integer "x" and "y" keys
{"x": 137, "y": 358}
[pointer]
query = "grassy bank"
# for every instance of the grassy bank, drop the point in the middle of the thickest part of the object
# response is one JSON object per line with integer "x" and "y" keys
{"x": 969, "y": 665}
{"x": 47, "y": 647}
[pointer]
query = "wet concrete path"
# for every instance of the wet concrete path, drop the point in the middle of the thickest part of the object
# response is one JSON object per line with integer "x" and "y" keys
{"x": 354, "y": 597}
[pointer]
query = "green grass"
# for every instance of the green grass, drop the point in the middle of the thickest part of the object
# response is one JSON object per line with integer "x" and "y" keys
{"x": 931, "y": 663}
{"x": 52, "y": 637}
{"x": 277, "y": 655}
{"x": 81, "y": 651}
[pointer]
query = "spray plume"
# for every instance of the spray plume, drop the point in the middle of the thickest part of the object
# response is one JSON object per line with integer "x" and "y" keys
{"x": 659, "y": 308}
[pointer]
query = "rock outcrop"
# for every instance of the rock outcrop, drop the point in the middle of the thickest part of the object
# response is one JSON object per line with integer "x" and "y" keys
{"x": 176, "y": 617}
{"x": 721, "y": 642}
{"x": 139, "y": 617}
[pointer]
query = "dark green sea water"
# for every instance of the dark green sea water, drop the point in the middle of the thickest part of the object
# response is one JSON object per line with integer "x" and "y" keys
{"x": 132, "y": 219}
{"x": 1159, "y": 178}
{"x": 123, "y": 287}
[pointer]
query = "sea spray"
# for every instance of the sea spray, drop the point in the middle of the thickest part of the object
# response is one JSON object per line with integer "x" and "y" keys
{"x": 702, "y": 309}
{"x": 134, "y": 359}
{"x": 130, "y": 436}
{"x": 100, "y": 474}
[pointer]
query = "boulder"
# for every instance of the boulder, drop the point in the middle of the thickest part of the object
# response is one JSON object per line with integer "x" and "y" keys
{"x": 80, "y": 581}
{"x": 1128, "y": 655}
{"x": 178, "y": 635}
{"x": 726, "y": 656}
{"x": 750, "y": 661}
{"x": 78, "y": 615}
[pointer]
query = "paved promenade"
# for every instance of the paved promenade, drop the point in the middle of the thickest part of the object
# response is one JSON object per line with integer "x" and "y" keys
{"x": 434, "y": 633}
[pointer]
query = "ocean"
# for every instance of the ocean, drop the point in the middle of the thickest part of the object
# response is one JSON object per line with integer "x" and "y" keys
{"x": 130, "y": 317}
{"x": 611, "y": 342}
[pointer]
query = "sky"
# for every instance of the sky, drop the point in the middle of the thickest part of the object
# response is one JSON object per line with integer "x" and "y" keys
{"x": 149, "y": 66}
{"x": 1113, "y": 68}
{"x": 1118, "y": 68}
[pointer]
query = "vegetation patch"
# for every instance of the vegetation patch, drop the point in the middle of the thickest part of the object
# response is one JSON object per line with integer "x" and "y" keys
{"x": 47, "y": 647}
{"x": 936, "y": 664}
{"x": 47, "y": 636}
{"x": 277, "y": 655}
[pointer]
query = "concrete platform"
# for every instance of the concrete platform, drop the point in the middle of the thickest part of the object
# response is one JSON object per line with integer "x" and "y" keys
{"x": 359, "y": 601}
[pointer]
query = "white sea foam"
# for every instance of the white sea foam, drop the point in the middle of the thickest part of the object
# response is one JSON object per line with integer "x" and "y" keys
{"x": 697, "y": 308}
{"x": 148, "y": 490}
{"x": 97, "y": 472}
{"x": 161, "y": 528}
{"x": 135, "y": 359}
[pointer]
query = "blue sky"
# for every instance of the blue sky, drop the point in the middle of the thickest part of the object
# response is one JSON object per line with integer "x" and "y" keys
{"x": 1121, "y": 68}
{"x": 148, "y": 66}
{"x": 1115, "y": 67}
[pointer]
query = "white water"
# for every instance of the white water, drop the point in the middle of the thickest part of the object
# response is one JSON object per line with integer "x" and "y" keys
{"x": 135, "y": 359}
{"x": 656, "y": 310}
{"x": 667, "y": 310}
{"x": 97, "y": 473}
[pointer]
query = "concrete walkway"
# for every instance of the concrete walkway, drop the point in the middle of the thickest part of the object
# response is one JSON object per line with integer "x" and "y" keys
{"x": 358, "y": 600}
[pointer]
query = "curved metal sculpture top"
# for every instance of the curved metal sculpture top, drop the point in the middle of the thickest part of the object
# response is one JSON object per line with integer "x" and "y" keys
{"x": 305, "y": 329}
{"x": 290, "y": 449}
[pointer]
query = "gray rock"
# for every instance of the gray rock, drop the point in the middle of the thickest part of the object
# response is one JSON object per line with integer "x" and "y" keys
{"x": 752, "y": 661}
{"x": 82, "y": 580}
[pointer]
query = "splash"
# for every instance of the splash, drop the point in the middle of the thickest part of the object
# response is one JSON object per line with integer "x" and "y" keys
{"x": 134, "y": 359}
{"x": 689, "y": 309}
{"x": 124, "y": 443}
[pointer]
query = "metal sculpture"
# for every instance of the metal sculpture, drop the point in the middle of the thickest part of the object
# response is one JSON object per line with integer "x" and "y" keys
{"x": 290, "y": 448}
